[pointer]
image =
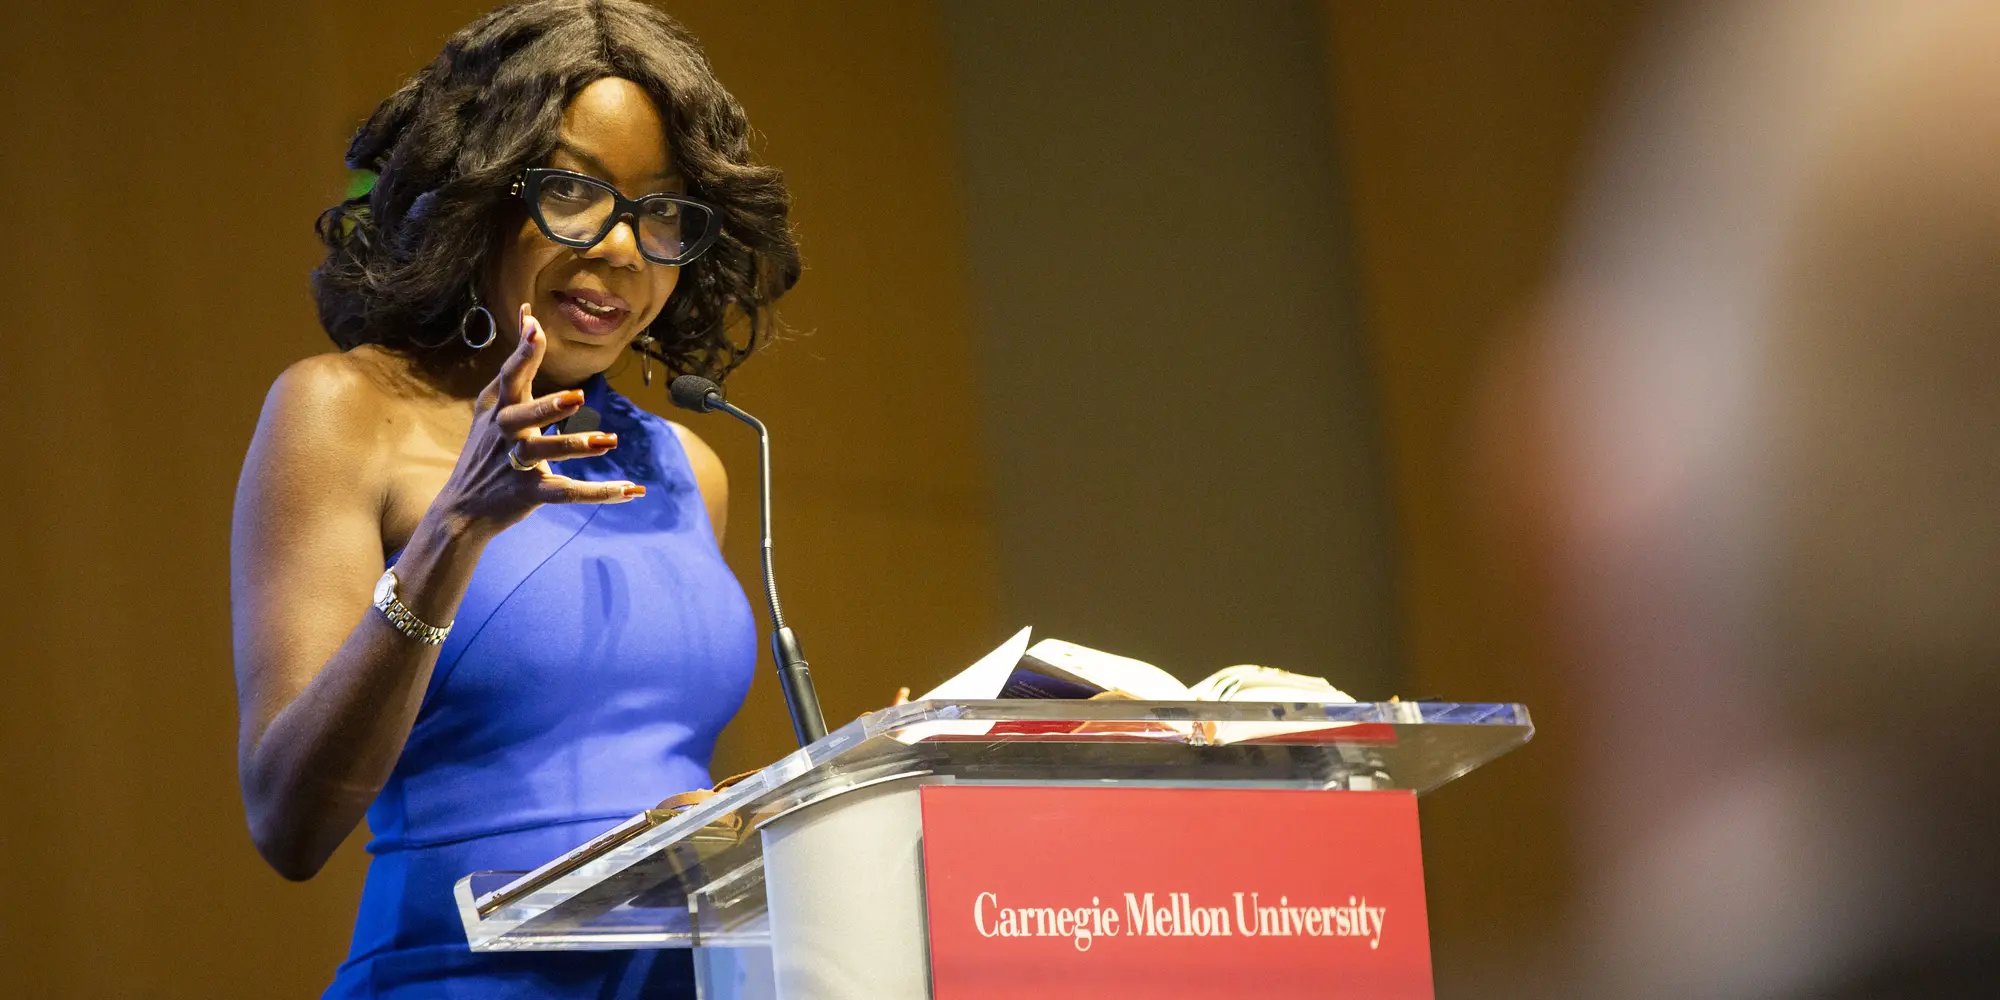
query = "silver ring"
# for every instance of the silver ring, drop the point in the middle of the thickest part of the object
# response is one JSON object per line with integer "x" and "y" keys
{"x": 514, "y": 459}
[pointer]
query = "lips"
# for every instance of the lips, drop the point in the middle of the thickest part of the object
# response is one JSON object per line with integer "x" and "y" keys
{"x": 591, "y": 312}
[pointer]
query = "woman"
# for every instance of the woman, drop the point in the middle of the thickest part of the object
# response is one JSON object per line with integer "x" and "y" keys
{"x": 556, "y": 641}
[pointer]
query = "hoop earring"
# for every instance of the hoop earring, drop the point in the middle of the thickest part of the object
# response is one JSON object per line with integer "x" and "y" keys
{"x": 644, "y": 346}
{"x": 492, "y": 328}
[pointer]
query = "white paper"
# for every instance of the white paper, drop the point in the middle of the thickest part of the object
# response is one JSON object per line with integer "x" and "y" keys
{"x": 985, "y": 678}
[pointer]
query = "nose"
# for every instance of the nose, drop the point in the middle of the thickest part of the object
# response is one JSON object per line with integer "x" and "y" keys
{"x": 619, "y": 247}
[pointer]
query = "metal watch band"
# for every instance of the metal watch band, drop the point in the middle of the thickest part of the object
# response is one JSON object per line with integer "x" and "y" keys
{"x": 402, "y": 617}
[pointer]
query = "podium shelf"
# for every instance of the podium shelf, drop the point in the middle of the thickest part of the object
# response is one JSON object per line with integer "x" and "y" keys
{"x": 694, "y": 877}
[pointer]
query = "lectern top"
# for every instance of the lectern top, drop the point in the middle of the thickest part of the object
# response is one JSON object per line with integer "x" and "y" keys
{"x": 679, "y": 878}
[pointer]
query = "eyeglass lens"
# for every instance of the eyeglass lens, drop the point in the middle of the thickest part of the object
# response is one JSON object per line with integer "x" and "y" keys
{"x": 577, "y": 210}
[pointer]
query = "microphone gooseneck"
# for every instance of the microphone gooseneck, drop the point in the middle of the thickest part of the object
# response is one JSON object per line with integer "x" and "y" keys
{"x": 692, "y": 392}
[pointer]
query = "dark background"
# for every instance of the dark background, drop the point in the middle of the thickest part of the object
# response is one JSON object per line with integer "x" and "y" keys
{"x": 1172, "y": 315}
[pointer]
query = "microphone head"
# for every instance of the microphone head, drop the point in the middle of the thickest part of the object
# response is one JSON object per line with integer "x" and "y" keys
{"x": 692, "y": 392}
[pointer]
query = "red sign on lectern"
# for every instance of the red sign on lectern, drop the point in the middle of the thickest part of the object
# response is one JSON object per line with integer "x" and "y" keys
{"x": 1103, "y": 893}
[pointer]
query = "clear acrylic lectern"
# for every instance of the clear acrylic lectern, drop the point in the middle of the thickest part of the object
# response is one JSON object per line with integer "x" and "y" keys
{"x": 746, "y": 878}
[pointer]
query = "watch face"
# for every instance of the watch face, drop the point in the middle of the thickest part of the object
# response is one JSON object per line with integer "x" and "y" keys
{"x": 385, "y": 588}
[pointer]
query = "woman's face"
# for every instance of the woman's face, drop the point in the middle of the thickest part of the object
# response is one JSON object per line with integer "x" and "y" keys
{"x": 593, "y": 302}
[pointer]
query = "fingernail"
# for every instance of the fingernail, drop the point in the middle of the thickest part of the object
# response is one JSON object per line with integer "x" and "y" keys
{"x": 634, "y": 491}
{"x": 604, "y": 440}
{"x": 574, "y": 397}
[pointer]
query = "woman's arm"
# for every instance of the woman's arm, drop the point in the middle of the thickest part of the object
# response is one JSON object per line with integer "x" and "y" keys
{"x": 327, "y": 688}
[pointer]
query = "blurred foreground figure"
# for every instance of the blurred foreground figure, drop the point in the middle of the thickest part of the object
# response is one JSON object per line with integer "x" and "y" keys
{"x": 1769, "y": 396}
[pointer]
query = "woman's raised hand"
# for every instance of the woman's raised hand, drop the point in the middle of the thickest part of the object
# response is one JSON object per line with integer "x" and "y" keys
{"x": 503, "y": 471}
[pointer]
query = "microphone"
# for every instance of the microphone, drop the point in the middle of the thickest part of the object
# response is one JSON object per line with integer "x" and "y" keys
{"x": 692, "y": 392}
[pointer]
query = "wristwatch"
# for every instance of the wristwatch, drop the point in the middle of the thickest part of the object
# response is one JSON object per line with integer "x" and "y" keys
{"x": 405, "y": 620}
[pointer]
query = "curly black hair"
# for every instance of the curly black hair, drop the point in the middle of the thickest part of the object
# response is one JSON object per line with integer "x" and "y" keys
{"x": 402, "y": 259}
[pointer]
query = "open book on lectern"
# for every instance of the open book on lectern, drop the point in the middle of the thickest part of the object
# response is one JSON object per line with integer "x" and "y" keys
{"x": 1055, "y": 669}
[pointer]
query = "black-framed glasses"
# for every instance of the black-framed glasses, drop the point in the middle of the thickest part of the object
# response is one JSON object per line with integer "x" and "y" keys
{"x": 578, "y": 210}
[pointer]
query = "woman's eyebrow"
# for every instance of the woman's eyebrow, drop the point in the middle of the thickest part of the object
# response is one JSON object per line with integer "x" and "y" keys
{"x": 598, "y": 165}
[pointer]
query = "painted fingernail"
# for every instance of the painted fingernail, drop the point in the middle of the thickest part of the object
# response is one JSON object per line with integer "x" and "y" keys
{"x": 604, "y": 440}
{"x": 633, "y": 491}
{"x": 574, "y": 397}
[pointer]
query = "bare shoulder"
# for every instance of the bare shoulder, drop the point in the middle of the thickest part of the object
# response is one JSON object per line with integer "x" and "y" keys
{"x": 326, "y": 411}
{"x": 337, "y": 387}
{"x": 707, "y": 467}
{"x": 709, "y": 477}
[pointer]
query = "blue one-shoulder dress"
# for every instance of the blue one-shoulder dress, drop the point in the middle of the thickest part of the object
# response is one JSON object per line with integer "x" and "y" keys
{"x": 597, "y": 653}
